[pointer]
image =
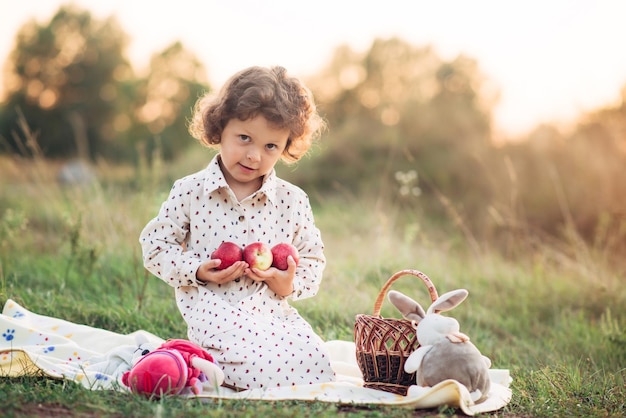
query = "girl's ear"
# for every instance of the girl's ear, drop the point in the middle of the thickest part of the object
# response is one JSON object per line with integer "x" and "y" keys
{"x": 409, "y": 309}
{"x": 448, "y": 301}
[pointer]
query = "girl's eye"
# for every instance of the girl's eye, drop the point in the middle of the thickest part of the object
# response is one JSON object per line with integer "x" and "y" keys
{"x": 244, "y": 138}
{"x": 272, "y": 146}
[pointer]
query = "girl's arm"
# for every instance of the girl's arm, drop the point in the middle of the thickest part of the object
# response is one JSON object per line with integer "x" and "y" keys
{"x": 308, "y": 241}
{"x": 162, "y": 241}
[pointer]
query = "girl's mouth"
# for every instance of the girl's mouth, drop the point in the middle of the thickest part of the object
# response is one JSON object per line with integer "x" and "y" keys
{"x": 246, "y": 168}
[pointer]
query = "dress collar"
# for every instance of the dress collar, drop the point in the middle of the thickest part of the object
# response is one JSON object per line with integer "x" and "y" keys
{"x": 215, "y": 180}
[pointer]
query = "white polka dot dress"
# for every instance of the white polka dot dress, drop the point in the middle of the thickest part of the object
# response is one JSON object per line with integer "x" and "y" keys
{"x": 258, "y": 338}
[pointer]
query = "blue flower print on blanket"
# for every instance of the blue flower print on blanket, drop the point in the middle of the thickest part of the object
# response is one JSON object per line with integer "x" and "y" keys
{"x": 18, "y": 314}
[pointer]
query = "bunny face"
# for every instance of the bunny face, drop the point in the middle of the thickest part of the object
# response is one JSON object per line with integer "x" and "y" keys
{"x": 434, "y": 328}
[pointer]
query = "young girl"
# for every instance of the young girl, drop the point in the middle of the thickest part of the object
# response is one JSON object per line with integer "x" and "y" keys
{"x": 241, "y": 314}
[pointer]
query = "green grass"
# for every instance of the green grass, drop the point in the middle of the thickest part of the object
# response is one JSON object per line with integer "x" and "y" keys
{"x": 553, "y": 315}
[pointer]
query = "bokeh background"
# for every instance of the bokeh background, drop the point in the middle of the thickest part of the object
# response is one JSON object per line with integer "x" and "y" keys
{"x": 496, "y": 119}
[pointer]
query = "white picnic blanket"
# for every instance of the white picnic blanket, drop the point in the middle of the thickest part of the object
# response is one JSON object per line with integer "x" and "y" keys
{"x": 32, "y": 344}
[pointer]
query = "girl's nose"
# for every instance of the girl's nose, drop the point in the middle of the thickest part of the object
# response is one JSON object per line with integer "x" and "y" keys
{"x": 253, "y": 155}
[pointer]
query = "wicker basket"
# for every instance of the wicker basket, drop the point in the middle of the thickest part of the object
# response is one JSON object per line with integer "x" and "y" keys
{"x": 384, "y": 344}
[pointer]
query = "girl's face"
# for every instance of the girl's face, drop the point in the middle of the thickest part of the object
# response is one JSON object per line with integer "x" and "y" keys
{"x": 249, "y": 150}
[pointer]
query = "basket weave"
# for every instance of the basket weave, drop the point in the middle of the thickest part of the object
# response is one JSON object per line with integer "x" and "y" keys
{"x": 384, "y": 344}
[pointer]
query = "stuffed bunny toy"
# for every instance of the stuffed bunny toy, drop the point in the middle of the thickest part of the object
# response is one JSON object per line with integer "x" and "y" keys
{"x": 176, "y": 367}
{"x": 444, "y": 352}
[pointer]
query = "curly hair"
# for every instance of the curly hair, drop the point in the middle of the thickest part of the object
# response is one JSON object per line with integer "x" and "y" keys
{"x": 283, "y": 100}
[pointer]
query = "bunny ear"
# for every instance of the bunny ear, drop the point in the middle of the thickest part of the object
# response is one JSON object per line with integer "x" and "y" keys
{"x": 448, "y": 301}
{"x": 408, "y": 307}
{"x": 212, "y": 371}
{"x": 140, "y": 338}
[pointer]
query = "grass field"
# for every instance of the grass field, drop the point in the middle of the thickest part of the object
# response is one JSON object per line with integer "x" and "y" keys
{"x": 553, "y": 314}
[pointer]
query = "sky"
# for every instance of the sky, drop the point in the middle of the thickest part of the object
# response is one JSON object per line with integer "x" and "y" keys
{"x": 549, "y": 61}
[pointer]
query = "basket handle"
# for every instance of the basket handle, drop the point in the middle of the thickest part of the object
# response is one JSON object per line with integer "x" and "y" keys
{"x": 381, "y": 296}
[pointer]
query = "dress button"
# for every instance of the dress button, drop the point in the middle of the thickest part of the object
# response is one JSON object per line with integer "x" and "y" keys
{"x": 241, "y": 218}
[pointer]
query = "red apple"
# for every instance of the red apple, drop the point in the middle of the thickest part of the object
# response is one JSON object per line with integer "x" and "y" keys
{"x": 280, "y": 252}
{"x": 228, "y": 253}
{"x": 258, "y": 255}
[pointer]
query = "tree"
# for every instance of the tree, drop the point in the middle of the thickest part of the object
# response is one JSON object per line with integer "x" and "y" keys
{"x": 64, "y": 77}
{"x": 165, "y": 101}
{"x": 72, "y": 82}
{"x": 397, "y": 108}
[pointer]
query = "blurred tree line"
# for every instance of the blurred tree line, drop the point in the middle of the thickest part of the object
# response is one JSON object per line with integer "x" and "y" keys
{"x": 77, "y": 91}
{"x": 398, "y": 110}
{"x": 405, "y": 125}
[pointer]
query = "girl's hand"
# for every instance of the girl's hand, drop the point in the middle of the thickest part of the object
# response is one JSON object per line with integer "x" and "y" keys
{"x": 208, "y": 273}
{"x": 279, "y": 281}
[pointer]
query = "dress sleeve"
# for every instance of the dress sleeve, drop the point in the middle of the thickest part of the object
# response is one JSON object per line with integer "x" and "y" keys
{"x": 162, "y": 241}
{"x": 308, "y": 241}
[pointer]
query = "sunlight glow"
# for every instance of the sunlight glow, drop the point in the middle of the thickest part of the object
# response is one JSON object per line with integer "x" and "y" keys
{"x": 351, "y": 76}
{"x": 48, "y": 99}
{"x": 390, "y": 116}
{"x": 546, "y": 61}
{"x": 370, "y": 98}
